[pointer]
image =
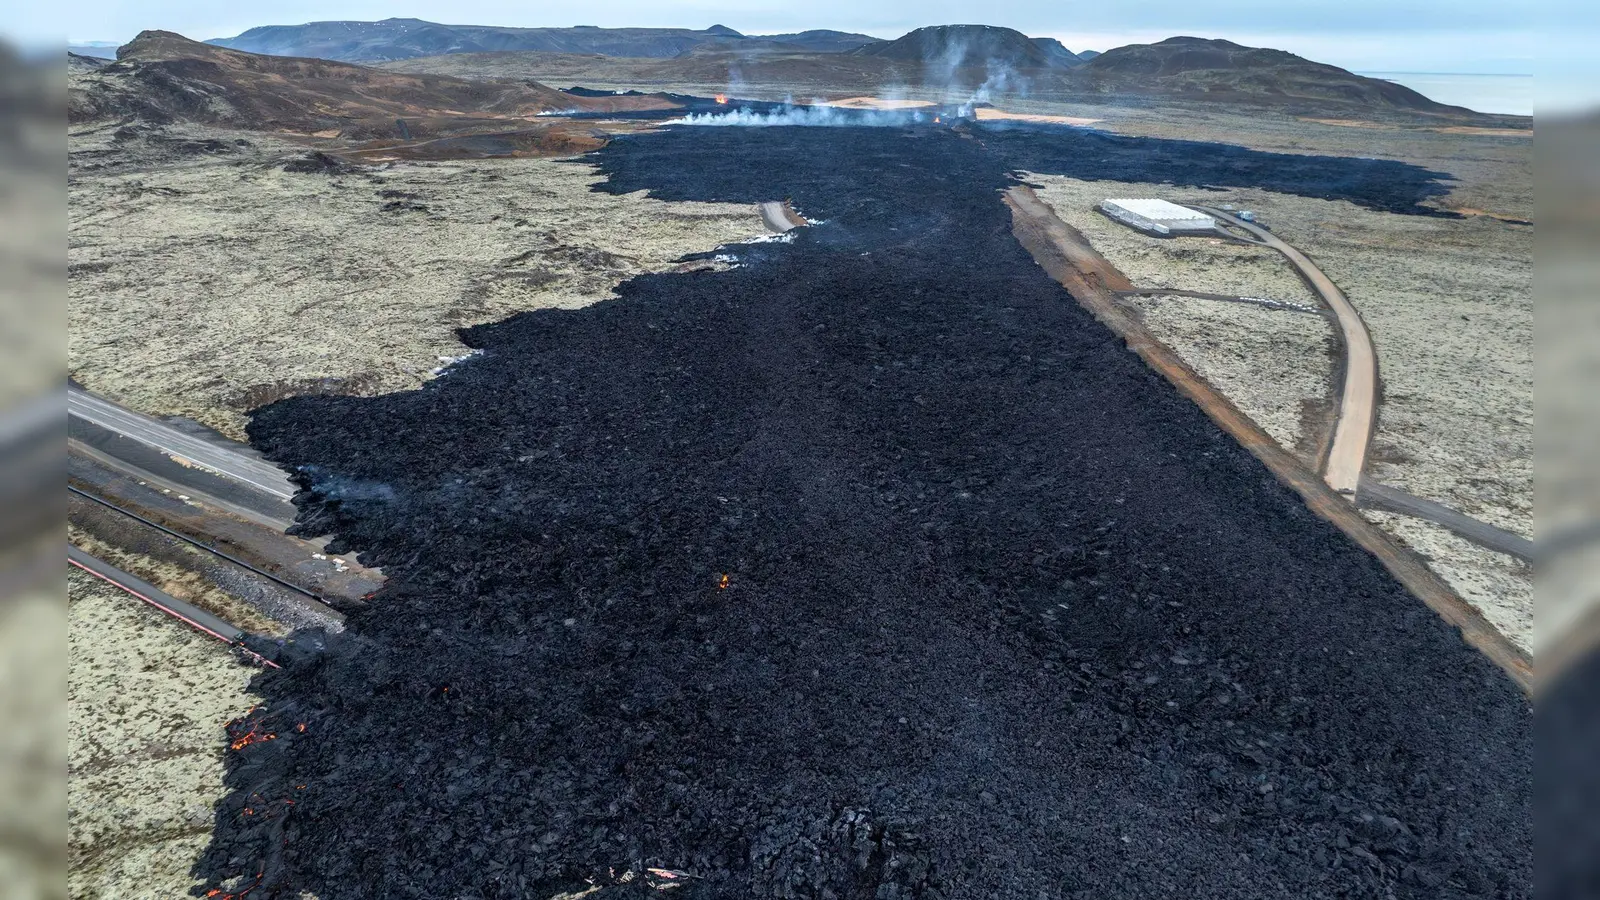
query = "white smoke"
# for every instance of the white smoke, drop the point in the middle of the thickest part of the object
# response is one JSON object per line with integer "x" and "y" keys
{"x": 812, "y": 116}
{"x": 339, "y": 487}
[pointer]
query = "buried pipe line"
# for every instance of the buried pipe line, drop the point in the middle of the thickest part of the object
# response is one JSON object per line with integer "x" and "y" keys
{"x": 203, "y": 546}
{"x": 190, "y": 615}
{"x": 1264, "y": 302}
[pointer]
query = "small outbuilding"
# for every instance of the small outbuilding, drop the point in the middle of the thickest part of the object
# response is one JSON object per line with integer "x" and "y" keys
{"x": 1158, "y": 217}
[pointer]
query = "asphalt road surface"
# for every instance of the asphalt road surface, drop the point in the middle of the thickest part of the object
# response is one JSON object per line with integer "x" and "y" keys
{"x": 1382, "y": 496}
{"x": 256, "y": 473}
{"x": 1358, "y": 400}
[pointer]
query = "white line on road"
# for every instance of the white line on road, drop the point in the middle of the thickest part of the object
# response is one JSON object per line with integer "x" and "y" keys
{"x": 261, "y": 475}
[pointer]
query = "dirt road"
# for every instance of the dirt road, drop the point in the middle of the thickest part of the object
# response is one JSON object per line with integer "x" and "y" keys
{"x": 778, "y": 216}
{"x": 1358, "y": 399}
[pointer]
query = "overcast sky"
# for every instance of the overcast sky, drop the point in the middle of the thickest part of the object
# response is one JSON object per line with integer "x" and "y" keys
{"x": 1371, "y": 35}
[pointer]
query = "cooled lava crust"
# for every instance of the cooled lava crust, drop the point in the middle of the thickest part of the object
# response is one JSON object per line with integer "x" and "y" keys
{"x": 870, "y": 568}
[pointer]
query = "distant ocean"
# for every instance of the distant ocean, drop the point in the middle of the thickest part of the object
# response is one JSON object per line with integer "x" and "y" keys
{"x": 1509, "y": 94}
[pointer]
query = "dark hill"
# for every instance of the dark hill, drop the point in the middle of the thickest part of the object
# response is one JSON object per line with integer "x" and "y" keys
{"x": 164, "y": 77}
{"x": 823, "y": 40}
{"x": 966, "y": 46}
{"x": 1223, "y": 70}
{"x": 409, "y": 38}
{"x": 81, "y": 63}
{"x": 393, "y": 39}
{"x": 1058, "y": 52}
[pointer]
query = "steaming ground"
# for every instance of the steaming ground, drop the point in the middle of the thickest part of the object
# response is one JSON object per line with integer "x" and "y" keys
{"x": 860, "y": 569}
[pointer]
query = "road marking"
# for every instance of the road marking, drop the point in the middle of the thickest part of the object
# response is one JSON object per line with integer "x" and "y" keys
{"x": 259, "y": 475}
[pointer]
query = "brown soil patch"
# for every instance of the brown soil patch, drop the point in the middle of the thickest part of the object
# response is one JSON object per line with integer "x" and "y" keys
{"x": 1441, "y": 129}
{"x": 986, "y": 114}
{"x": 1491, "y": 132}
{"x": 1344, "y": 123}
{"x": 1473, "y": 211}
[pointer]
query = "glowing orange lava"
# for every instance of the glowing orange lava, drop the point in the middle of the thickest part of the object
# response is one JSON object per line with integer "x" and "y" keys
{"x": 254, "y": 737}
{"x": 722, "y": 583}
{"x": 722, "y": 98}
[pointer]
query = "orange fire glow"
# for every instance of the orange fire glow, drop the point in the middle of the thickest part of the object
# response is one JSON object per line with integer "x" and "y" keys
{"x": 722, "y": 583}
{"x": 254, "y": 737}
{"x": 722, "y": 98}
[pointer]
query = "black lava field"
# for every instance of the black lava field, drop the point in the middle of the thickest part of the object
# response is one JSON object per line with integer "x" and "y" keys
{"x": 872, "y": 567}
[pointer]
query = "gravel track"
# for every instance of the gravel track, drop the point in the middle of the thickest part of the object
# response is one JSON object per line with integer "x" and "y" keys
{"x": 869, "y": 567}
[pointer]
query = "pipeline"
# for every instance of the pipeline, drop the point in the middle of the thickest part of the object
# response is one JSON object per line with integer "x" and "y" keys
{"x": 190, "y": 615}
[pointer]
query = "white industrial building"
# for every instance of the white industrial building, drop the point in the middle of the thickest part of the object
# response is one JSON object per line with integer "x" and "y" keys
{"x": 1158, "y": 216}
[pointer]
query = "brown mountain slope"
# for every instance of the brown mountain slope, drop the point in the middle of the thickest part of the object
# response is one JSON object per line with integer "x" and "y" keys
{"x": 1178, "y": 70}
{"x": 164, "y": 77}
{"x": 1223, "y": 70}
{"x": 949, "y": 47}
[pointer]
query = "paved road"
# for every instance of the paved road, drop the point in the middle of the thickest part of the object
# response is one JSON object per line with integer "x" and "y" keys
{"x": 1382, "y": 496}
{"x": 241, "y": 467}
{"x": 1358, "y": 400}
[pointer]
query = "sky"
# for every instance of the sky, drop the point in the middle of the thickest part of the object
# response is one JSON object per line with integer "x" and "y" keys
{"x": 1550, "y": 39}
{"x": 1491, "y": 36}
